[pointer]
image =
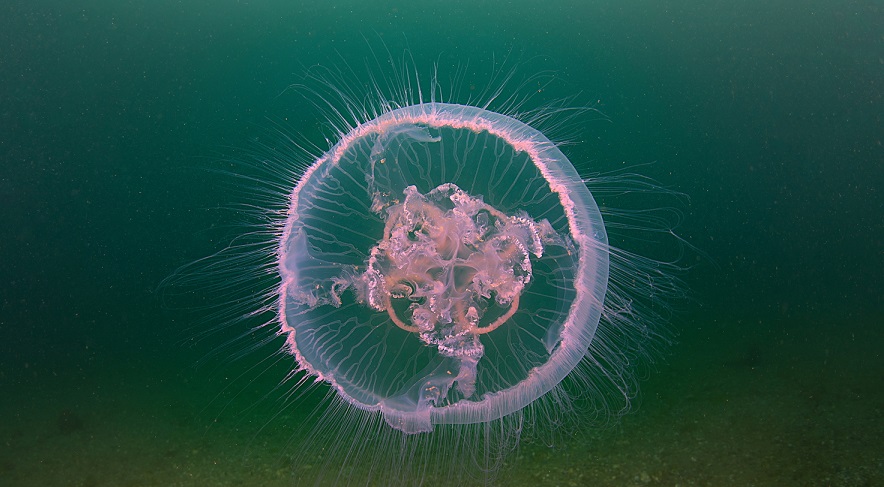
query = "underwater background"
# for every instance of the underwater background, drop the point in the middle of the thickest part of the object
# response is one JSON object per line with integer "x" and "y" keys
{"x": 115, "y": 118}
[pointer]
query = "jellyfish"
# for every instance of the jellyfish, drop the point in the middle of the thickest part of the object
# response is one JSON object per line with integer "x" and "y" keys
{"x": 445, "y": 271}
{"x": 441, "y": 264}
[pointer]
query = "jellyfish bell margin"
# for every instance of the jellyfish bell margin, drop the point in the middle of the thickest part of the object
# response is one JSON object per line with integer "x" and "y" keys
{"x": 445, "y": 269}
{"x": 406, "y": 254}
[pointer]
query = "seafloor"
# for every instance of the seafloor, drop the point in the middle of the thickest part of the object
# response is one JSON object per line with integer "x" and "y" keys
{"x": 775, "y": 403}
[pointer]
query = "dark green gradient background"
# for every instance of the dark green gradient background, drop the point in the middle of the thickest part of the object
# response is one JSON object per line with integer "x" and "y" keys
{"x": 766, "y": 114}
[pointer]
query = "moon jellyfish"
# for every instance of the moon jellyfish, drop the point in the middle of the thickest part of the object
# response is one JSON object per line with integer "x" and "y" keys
{"x": 441, "y": 264}
{"x": 446, "y": 271}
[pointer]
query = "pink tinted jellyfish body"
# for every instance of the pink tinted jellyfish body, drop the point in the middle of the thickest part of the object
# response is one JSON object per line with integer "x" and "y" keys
{"x": 441, "y": 264}
{"x": 447, "y": 271}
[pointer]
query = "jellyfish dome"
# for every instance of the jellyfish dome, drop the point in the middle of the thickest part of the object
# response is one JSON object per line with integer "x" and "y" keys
{"x": 441, "y": 264}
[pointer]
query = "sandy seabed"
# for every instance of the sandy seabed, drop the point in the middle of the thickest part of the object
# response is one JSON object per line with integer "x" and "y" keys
{"x": 733, "y": 404}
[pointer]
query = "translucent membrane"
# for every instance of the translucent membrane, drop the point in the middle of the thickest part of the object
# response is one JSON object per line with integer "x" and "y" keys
{"x": 442, "y": 264}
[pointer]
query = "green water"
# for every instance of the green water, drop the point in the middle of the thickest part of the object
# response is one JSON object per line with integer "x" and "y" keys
{"x": 115, "y": 118}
